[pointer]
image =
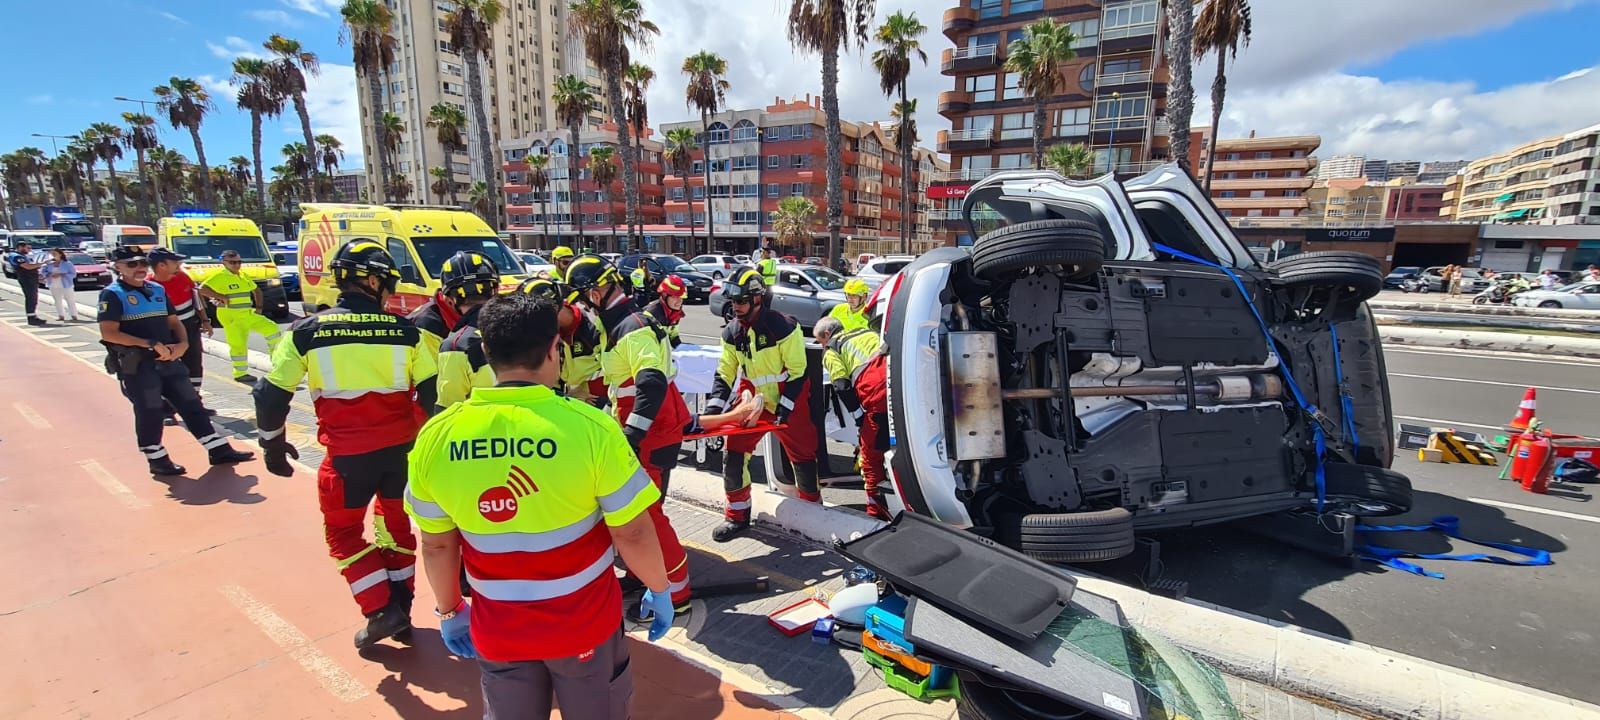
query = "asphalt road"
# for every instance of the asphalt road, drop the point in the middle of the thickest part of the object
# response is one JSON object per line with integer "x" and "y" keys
{"x": 1530, "y": 625}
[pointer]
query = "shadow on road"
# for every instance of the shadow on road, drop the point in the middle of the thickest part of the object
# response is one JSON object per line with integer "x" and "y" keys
{"x": 221, "y": 483}
{"x": 427, "y": 666}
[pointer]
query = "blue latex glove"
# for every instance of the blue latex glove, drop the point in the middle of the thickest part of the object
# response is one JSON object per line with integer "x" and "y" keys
{"x": 457, "y": 633}
{"x": 661, "y": 607}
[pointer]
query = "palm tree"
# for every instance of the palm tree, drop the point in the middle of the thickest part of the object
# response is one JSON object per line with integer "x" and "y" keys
{"x": 288, "y": 77}
{"x": 794, "y": 220}
{"x": 169, "y": 171}
{"x": 603, "y": 168}
{"x": 898, "y": 36}
{"x": 574, "y": 100}
{"x": 608, "y": 27}
{"x": 64, "y": 174}
{"x": 1222, "y": 25}
{"x": 448, "y": 122}
{"x": 366, "y": 25}
{"x": 33, "y": 164}
{"x": 444, "y": 183}
{"x": 1180, "y": 92}
{"x": 904, "y": 135}
{"x": 240, "y": 166}
{"x": 539, "y": 180}
{"x": 1036, "y": 57}
{"x": 481, "y": 197}
{"x": 294, "y": 158}
{"x": 1073, "y": 161}
{"x": 330, "y": 151}
{"x": 469, "y": 27}
{"x": 636, "y": 85}
{"x": 282, "y": 189}
{"x": 707, "y": 92}
{"x": 85, "y": 148}
{"x": 108, "y": 145}
{"x": 679, "y": 154}
{"x": 827, "y": 27}
{"x": 393, "y": 131}
{"x": 400, "y": 186}
{"x": 186, "y": 103}
{"x": 260, "y": 95}
{"x": 141, "y": 138}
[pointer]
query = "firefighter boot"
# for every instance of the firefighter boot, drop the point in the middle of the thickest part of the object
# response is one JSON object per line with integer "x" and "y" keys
{"x": 227, "y": 455}
{"x": 165, "y": 466}
{"x": 729, "y": 529}
{"x": 400, "y": 597}
{"x": 805, "y": 481}
{"x": 382, "y": 624}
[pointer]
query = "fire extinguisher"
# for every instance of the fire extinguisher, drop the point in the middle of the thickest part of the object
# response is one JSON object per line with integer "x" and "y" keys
{"x": 1529, "y": 466}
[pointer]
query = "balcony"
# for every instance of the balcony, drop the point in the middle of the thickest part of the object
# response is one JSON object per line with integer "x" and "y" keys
{"x": 1587, "y": 198}
{"x": 1162, "y": 128}
{"x": 968, "y": 139}
{"x": 954, "y": 102}
{"x": 968, "y": 175}
{"x": 1574, "y": 176}
{"x": 1303, "y": 164}
{"x": 970, "y": 58}
{"x": 1579, "y": 154}
{"x": 1262, "y": 203}
{"x": 1576, "y": 220}
{"x": 1123, "y": 78}
{"x": 957, "y": 21}
{"x": 1301, "y": 183}
{"x": 1126, "y": 32}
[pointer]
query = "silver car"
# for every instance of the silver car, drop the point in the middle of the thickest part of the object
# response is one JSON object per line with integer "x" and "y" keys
{"x": 717, "y": 266}
{"x": 803, "y": 292}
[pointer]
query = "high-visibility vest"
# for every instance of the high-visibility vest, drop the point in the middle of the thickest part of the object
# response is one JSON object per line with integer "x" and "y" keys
{"x": 848, "y": 352}
{"x": 638, "y": 368}
{"x": 238, "y": 292}
{"x": 531, "y": 481}
{"x": 772, "y": 356}
{"x": 850, "y": 319}
{"x": 462, "y": 365}
{"x": 580, "y": 354}
{"x": 769, "y": 271}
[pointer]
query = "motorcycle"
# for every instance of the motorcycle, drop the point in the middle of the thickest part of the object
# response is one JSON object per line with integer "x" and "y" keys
{"x": 1500, "y": 293}
{"x": 1414, "y": 285}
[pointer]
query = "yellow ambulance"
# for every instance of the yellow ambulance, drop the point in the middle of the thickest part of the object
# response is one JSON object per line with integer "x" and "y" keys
{"x": 419, "y": 237}
{"x": 202, "y": 237}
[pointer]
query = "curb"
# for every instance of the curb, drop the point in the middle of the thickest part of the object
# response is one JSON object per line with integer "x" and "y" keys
{"x": 1352, "y": 675}
{"x": 1544, "y": 345}
{"x": 1470, "y": 309}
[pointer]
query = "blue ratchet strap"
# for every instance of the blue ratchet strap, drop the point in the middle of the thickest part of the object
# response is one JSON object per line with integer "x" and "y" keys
{"x": 1449, "y": 525}
{"x": 1347, "y": 405}
{"x": 1312, "y": 413}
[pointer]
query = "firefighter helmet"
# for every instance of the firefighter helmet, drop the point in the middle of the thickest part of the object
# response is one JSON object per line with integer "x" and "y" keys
{"x": 542, "y": 287}
{"x": 672, "y": 286}
{"x": 747, "y": 284}
{"x": 589, "y": 272}
{"x": 362, "y": 259}
{"x": 469, "y": 274}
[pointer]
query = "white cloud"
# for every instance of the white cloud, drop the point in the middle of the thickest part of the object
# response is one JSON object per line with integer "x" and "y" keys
{"x": 174, "y": 18}
{"x": 273, "y": 17}
{"x": 320, "y": 8}
{"x": 41, "y": 99}
{"x": 234, "y": 46}
{"x": 331, "y": 102}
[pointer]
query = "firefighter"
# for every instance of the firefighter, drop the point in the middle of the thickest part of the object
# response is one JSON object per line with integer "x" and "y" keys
{"x": 851, "y": 360}
{"x": 535, "y": 495}
{"x": 237, "y": 298}
{"x": 582, "y": 339}
{"x": 768, "y": 347}
{"x": 470, "y": 280}
{"x": 637, "y": 367}
{"x": 852, "y": 314}
{"x": 145, "y": 340}
{"x": 561, "y": 257}
{"x": 372, "y": 384}
{"x": 667, "y": 308}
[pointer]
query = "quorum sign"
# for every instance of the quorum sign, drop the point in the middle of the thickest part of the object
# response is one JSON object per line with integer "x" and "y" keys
{"x": 1377, "y": 235}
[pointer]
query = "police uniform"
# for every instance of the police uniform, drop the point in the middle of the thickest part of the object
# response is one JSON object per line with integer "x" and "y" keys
{"x": 239, "y": 318}
{"x": 855, "y": 369}
{"x": 143, "y": 311}
{"x": 370, "y": 381}
{"x": 533, "y": 482}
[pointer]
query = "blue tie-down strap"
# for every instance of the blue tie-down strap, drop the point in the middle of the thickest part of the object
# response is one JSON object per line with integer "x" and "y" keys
{"x": 1347, "y": 404}
{"x": 1449, "y": 525}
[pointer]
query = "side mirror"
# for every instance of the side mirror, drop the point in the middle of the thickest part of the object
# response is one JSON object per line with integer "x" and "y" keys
{"x": 410, "y": 274}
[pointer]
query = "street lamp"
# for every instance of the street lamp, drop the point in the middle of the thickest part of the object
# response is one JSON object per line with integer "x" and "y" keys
{"x": 142, "y": 103}
{"x": 54, "y": 138}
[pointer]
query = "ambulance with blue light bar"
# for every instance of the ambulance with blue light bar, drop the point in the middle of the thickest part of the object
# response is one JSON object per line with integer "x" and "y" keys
{"x": 419, "y": 237}
{"x": 202, "y": 237}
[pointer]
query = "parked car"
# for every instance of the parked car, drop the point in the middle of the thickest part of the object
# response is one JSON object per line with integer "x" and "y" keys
{"x": 814, "y": 260}
{"x": 805, "y": 292}
{"x": 743, "y": 259}
{"x": 1078, "y": 377}
{"x": 717, "y": 266}
{"x": 662, "y": 265}
{"x": 879, "y": 269}
{"x": 288, "y": 271}
{"x": 94, "y": 249}
{"x": 1584, "y": 295}
{"x": 93, "y": 273}
{"x": 1399, "y": 275}
{"x": 861, "y": 262}
{"x": 1472, "y": 280}
{"x": 532, "y": 262}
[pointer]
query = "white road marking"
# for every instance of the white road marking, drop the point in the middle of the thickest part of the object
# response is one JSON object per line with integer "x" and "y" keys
{"x": 285, "y": 635}
{"x": 1502, "y": 356}
{"x": 32, "y": 416}
{"x": 1445, "y": 423}
{"x": 112, "y": 485}
{"x": 1495, "y": 382}
{"x": 1540, "y": 510}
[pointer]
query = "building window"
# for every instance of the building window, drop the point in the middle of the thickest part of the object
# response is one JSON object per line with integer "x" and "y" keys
{"x": 1125, "y": 65}
{"x": 1086, "y": 78}
{"x": 1127, "y": 112}
{"x": 773, "y": 189}
{"x": 1232, "y": 156}
{"x": 797, "y": 189}
{"x": 799, "y": 161}
{"x": 1129, "y": 19}
{"x": 987, "y": 8}
{"x": 1072, "y": 122}
{"x": 773, "y": 161}
{"x": 677, "y": 193}
{"x": 1016, "y": 126}
{"x": 1258, "y": 193}
{"x": 1013, "y": 90}
{"x": 1226, "y": 194}
{"x": 451, "y": 88}
{"x": 747, "y": 217}
{"x": 981, "y": 87}
{"x": 699, "y": 168}
{"x": 1291, "y": 193}
{"x": 1253, "y": 213}
{"x": 1259, "y": 174}
{"x": 1087, "y": 32}
{"x": 1025, "y": 6}
{"x": 744, "y": 130}
{"x": 717, "y": 134}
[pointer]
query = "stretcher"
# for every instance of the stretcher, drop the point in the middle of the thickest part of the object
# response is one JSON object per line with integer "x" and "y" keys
{"x": 736, "y": 431}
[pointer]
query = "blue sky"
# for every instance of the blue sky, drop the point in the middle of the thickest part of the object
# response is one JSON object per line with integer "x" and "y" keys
{"x": 1398, "y": 79}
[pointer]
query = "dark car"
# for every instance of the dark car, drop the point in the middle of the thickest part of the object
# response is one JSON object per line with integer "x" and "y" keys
{"x": 662, "y": 265}
{"x": 92, "y": 274}
{"x": 1399, "y": 275}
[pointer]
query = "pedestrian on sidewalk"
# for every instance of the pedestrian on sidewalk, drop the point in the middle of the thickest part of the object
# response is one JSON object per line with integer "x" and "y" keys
{"x": 373, "y": 386}
{"x": 26, "y": 268}
{"x": 60, "y": 275}
{"x": 1453, "y": 279}
{"x": 145, "y": 341}
{"x": 535, "y": 494}
{"x": 238, "y": 299}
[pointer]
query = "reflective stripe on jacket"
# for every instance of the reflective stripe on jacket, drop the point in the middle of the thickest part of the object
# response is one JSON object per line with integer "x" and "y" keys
{"x": 462, "y": 364}
{"x": 772, "y": 355}
{"x": 238, "y": 292}
{"x": 850, "y": 319}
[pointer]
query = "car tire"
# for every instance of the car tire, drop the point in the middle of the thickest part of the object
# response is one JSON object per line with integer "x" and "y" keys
{"x": 1359, "y": 272}
{"x": 1078, "y": 246}
{"x": 1091, "y": 536}
{"x": 1366, "y": 491}
{"x": 979, "y": 701}
{"x": 1547, "y": 304}
{"x": 716, "y": 274}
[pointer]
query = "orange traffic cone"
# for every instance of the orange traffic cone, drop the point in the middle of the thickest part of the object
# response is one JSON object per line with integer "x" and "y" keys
{"x": 1525, "y": 410}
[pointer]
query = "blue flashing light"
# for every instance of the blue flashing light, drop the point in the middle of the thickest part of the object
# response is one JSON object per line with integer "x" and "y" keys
{"x": 185, "y": 214}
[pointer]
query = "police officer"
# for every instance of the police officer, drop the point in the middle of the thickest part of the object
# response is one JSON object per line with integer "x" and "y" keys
{"x": 166, "y": 268}
{"x": 562, "y": 258}
{"x": 535, "y": 494}
{"x": 768, "y": 267}
{"x": 667, "y": 308}
{"x": 469, "y": 279}
{"x": 372, "y": 384}
{"x": 768, "y": 347}
{"x": 25, "y": 267}
{"x": 852, "y": 314}
{"x": 637, "y": 367}
{"x": 582, "y": 340}
{"x": 849, "y": 359}
{"x": 146, "y": 340}
{"x": 237, "y": 298}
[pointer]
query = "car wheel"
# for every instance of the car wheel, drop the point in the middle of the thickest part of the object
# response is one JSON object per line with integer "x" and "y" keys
{"x": 979, "y": 701}
{"x": 1077, "y": 537}
{"x": 1550, "y": 304}
{"x": 716, "y": 274}
{"x": 1356, "y": 272}
{"x": 1076, "y": 246}
{"x": 1366, "y": 491}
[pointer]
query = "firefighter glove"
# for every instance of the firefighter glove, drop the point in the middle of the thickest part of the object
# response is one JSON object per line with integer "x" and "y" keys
{"x": 277, "y": 451}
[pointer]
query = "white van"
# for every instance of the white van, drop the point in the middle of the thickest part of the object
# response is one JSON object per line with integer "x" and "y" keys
{"x": 115, "y": 236}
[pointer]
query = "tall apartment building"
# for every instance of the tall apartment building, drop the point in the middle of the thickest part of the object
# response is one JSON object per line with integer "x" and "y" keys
{"x": 1574, "y": 194}
{"x": 527, "y": 211}
{"x": 1342, "y": 166}
{"x": 1437, "y": 171}
{"x": 1508, "y": 187}
{"x": 351, "y": 186}
{"x": 1345, "y": 202}
{"x": 1376, "y": 170}
{"x": 532, "y": 46}
{"x": 1259, "y": 181}
{"x": 1114, "y": 99}
{"x": 759, "y": 157}
{"x": 1402, "y": 169}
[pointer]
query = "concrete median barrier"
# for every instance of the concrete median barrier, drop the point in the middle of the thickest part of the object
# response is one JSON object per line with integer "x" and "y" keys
{"x": 1353, "y": 676}
{"x": 1510, "y": 342}
{"x": 1467, "y": 308}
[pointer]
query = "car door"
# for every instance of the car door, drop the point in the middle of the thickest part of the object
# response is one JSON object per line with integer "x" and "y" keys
{"x": 1587, "y": 297}
{"x": 796, "y": 296}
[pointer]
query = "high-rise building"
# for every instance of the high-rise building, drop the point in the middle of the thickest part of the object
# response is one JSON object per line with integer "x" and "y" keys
{"x": 1113, "y": 102}
{"x": 532, "y": 47}
{"x": 1375, "y": 170}
{"x": 350, "y": 186}
{"x": 1438, "y": 170}
{"x": 1345, "y": 202}
{"x": 1260, "y": 181}
{"x": 1342, "y": 166}
{"x": 1509, "y": 187}
{"x": 1401, "y": 169}
{"x": 602, "y": 217}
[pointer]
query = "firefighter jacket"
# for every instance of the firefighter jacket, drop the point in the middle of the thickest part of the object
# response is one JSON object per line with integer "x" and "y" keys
{"x": 637, "y": 364}
{"x": 844, "y": 359}
{"x": 369, "y": 378}
{"x": 658, "y": 312}
{"x": 462, "y": 365}
{"x": 580, "y": 353}
{"x": 771, "y": 353}
{"x": 435, "y": 319}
